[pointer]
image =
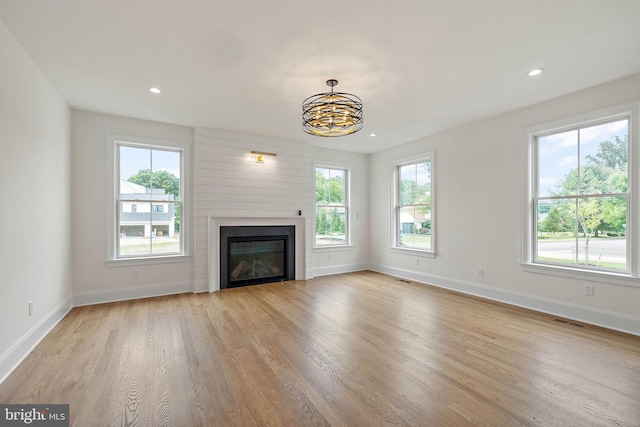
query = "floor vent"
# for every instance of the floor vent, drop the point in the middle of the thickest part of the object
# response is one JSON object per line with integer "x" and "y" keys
{"x": 568, "y": 323}
{"x": 404, "y": 281}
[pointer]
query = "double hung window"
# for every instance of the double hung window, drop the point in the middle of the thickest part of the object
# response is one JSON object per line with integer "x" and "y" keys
{"x": 580, "y": 195}
{"x": 149, "y": 188}
{"x": 332, "y": 207}
{"x": 414, "y": 204}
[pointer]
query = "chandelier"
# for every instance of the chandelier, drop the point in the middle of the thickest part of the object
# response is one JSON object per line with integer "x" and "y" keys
{"x": 332, "y": 113}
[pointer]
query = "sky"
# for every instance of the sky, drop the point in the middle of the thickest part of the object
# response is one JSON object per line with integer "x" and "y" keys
{"x": 416, "y": 172}
{"x": 133, "y": 159}
{"x": 558, "y": 153}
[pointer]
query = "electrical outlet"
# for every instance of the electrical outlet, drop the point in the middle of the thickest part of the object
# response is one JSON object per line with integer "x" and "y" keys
{"x": 589, "y": 290}
{"x": 416, "y": 261}
{"x": 329, "y": 257}
{"x": 30, "y": 308}
{"x": 481, "y": 272}
{"x": 134, "y": 274}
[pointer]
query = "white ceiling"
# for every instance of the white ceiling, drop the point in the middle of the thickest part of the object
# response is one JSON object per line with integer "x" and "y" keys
{"x": 420, "y": 66}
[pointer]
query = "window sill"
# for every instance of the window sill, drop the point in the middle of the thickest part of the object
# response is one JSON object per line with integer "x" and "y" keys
{"x": 413, "y": 252}
{"x": 333, "y": 248}
{"x": 147, "y": 261}
{"x": 574, "y": 273}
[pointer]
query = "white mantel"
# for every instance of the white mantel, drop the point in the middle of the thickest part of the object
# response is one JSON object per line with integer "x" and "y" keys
{"x": 299, "y": 222}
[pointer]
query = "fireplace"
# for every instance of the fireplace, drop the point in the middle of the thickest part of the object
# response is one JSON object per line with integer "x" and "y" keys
{"x": 251, "y": 255}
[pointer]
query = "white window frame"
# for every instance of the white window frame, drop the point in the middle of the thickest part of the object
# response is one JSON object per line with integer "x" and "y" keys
{"x": 530, "y": 182}
{"x": 395, "y": 205}
{"x": 347, "y": 200}
{"x": 113, "y": 173}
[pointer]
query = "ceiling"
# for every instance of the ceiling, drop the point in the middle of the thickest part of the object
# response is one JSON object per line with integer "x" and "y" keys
{"x": 420, "y": 66}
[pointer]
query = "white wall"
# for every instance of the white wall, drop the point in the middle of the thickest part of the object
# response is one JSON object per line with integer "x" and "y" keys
{"x": 229, "y": 183}
{"x": 479, "y": 202}
{"x": 93, "y": 280}
{"x": 35, "y": 183}
{"x": 356, "y": 256}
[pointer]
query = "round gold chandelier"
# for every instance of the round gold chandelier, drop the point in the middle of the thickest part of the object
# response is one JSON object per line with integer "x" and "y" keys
{"x": 332, "y": 113}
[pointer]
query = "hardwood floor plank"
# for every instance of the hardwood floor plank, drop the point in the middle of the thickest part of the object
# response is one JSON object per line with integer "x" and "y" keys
{"x": 357, "y": 349}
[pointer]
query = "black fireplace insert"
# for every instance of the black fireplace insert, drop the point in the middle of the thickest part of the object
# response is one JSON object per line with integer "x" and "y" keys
{"x": 251, "y": 255}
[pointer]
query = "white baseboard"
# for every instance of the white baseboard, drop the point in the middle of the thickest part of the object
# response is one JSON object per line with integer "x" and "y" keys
{"x": 606, "y": 319}
{"x": 25, "y": 345}
{"x": 130, "y": 293}
{"x": 337, "y": 269}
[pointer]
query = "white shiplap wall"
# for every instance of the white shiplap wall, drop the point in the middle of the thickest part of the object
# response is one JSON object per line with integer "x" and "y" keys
{"x": 229, "y": 183}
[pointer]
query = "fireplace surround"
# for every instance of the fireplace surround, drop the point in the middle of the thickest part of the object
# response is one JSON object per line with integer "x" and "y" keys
{"x": 215, "y": 223}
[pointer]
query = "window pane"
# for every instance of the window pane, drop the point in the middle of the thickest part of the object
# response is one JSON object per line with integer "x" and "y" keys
{"x": 163, "y": 235}
{"x": 423, "y": 175}
{"x": 423, "y": 184}
{"x": 166, "y": 172}
{"x": 134, "y": 238}
{"x": 135, "y": 167}
{"x": 408, "y": 183}
{"x": 337, "y": 187}
{"x": 415, "y": 227}
{"x": 147, "y": 230}
{"x": 605, "y": 144}
{"x": 331, "y": 226}
{"x": 598, "y": 239}
{"x": 322, "y": 186}
{"x": 558, "y": 164}
{"x": 407, "y": 225}
{"x": 556, "y": 231}
{"x": 602, "y": 223}
{"x": 415, "y": 184}
{"x": 603, "y": 158}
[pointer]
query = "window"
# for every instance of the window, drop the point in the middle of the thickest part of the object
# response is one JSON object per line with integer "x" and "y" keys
{"x": 148, "y": 194}
{"x": 414, "y": 204}
{"x": 332, "y": 209}
{"x": 580, "y": 212}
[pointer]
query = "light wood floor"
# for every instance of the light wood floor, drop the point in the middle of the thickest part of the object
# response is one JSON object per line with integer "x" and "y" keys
{"x": 360, "y": 349}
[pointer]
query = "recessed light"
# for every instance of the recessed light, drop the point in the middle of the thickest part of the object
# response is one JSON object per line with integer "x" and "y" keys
{"x": 372, "y": 134}
{"x": 534, "y": 72}
{"x": 155, "y": 90}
